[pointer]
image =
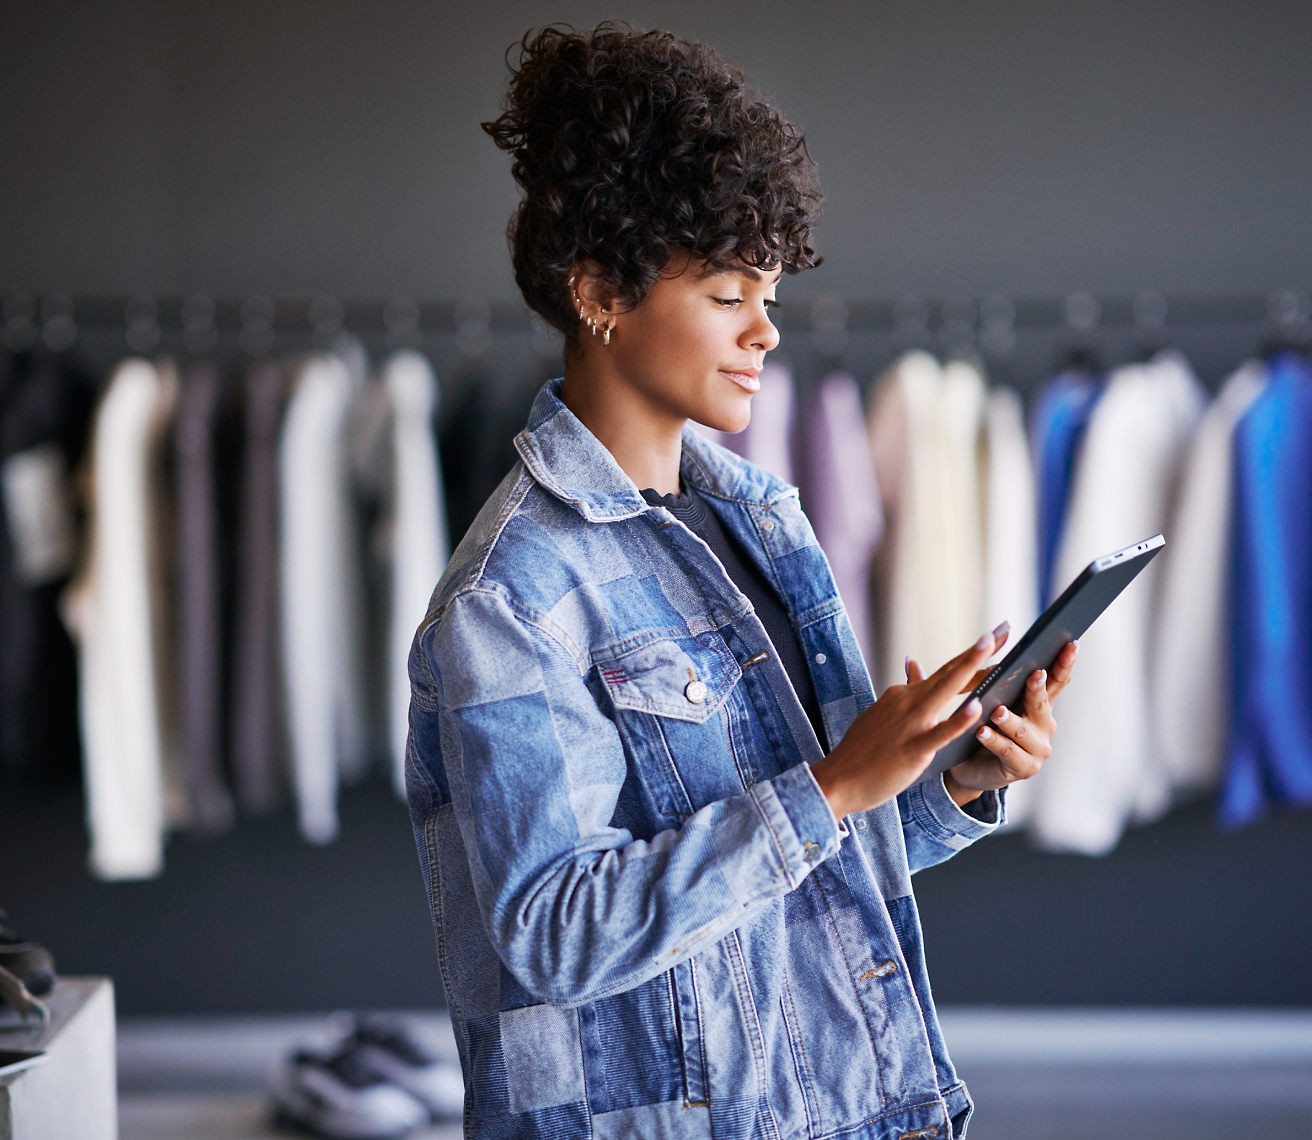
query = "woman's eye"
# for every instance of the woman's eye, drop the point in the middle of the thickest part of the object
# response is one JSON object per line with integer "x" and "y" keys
{"x": 728, "y": 300}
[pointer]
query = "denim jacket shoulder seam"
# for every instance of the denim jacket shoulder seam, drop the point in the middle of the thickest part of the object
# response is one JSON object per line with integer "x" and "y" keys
{"x": 544, "y": 624}
{"x": 514, "y": 501}
{"x": 473, "y": 579}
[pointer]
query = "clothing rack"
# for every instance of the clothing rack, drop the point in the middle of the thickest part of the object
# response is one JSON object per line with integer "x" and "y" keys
{"x": 1020, "y": 338}
{"x": 402, "y": 315}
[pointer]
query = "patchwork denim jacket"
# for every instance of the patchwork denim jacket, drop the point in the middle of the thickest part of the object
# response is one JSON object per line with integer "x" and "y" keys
{"x": 649, "y": 922}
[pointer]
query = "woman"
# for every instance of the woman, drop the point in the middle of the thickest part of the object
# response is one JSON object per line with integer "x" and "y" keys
{"x": 667, "y": 834}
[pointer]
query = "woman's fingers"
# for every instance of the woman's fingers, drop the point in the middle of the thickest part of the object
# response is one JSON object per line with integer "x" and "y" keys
{"x": 914, "y": 671}
{"x": 1063, "y": 669}
{"x": 1038, "y": 706}
{"x": 949, "y": 681}
{"x": 1019, "y": 763}
{"x": 960, "y": 721}
{"x": 1031, "y": 732}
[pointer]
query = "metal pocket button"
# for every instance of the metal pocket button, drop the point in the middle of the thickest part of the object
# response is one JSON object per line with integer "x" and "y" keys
{"x": 695, "y": 691}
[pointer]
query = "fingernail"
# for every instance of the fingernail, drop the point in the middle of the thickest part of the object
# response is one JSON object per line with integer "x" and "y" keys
{"x": 1042, "y": 678}
{"x": 982, "y": 734}
{"x": 1000, "y": 713}
{"x": 985, "y": 640}
{"x": 906, "y": 665}
{"x": 1001, "y": 630}
{"x": 974, "y": 708}
{"x": 1076, "y": 645}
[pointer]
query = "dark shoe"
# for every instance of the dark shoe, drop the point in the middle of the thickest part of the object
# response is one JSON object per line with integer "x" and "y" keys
{"x": 387, "y": 1047}
{"x": 14, "y": 993}
{"x": 336, "y": 1096}
{"x": 32, "y": 964}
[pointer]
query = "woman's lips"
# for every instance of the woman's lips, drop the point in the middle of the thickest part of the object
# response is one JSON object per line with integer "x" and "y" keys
{"x": 746, "y": 380}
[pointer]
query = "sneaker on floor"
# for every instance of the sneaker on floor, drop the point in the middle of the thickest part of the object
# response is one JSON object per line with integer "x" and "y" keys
{"x": 30, "y": 963}
{"x": 386, "y": 1046}
{"x": 339, "y": 1097}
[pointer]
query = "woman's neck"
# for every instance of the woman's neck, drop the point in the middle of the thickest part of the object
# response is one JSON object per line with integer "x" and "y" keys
{"x": 645, "y": 439}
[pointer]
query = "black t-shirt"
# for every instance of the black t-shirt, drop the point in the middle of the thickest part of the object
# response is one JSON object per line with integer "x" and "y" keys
{"x": 691, "y": 510}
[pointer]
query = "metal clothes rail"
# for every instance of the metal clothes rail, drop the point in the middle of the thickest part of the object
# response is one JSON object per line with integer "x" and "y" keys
{"x": 1020, "y": 338}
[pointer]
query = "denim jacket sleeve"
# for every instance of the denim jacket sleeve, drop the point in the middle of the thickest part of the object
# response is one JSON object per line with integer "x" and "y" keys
{"x": 935, "y": 828}
{"x": 504, "y": 724}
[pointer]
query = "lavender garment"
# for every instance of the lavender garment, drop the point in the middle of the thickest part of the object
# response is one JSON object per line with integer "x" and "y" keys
{"x": 841, "y": 493}
{"x": 768, "y": 440}
{"x": 199, "y": 648}
{"x": 257, "y": 709}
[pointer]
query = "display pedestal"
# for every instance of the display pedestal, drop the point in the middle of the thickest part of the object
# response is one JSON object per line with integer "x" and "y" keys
{"x": 71, "y": 1093}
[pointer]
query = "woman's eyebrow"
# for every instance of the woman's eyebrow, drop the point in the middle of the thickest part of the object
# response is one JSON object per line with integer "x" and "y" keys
{"x": 745, "y": 271}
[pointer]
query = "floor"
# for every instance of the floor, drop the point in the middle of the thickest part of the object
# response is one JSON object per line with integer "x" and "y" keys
{"x": 1036, "y": 1074}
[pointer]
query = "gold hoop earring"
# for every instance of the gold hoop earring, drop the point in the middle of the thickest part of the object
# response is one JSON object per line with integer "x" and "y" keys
{"x": 605, "y": 337}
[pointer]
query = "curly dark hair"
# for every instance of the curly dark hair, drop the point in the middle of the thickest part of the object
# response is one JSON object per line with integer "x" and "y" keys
{"x": 630, "y": 146}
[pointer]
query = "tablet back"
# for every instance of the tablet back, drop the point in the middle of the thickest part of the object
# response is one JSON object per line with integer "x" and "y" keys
{"x": 1063, "y": 621}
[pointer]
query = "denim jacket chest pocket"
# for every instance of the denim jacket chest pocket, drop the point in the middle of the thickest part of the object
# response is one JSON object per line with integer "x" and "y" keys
{"x": 670, "y": 697}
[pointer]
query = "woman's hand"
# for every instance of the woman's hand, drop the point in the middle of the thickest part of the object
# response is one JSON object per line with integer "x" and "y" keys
{"x": 1015, "y": 746}
{"x": 890, "y": 744}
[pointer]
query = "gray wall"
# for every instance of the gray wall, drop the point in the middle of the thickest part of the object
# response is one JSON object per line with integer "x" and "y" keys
{"x": 305, "y": 146}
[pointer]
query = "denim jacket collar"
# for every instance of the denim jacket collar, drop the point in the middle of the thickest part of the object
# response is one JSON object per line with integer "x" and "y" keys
{"x": 566, "y": 459}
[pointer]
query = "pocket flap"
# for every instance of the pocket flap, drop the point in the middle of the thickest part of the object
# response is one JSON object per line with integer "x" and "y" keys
{"x": 686, "y": 680}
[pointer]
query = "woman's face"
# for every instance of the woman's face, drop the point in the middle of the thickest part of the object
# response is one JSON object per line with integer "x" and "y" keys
{"x": 695, "y": 345}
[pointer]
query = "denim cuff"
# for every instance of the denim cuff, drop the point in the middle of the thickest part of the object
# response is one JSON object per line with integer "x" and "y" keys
{"x": 801, "y": 822}
{"x": 942, "y": 819}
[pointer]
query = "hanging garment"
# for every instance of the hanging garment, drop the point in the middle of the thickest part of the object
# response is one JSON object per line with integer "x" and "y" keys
{"x": 1192, "y": 652}
{"x": 962, "y": 484}
{"x": 1270, "y": 753}
{"x": 38, "y": 514}
{"x": 1011, "y": 590}
{"x": 1057, "y": 427}
{"x": 767, "y": 440}
{"x": 369, "y": 445}
{"x": 361, "y": 685}
{"x": 113, "y": 610}
{"x": 315, "y": 588}
{"x": 258, "y": 730}
{"x": 45, "y": 408}
{"x": 200, "y": 650}
{"x": 1121, "y": 493}
{"x": 840, "y": 494}
{"x": 419, "y": 541}
{"x": 477, "y": 442}
{"x": 926, "y": 436}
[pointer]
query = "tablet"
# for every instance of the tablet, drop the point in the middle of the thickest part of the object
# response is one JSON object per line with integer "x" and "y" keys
{"x": 1063, "y": 621}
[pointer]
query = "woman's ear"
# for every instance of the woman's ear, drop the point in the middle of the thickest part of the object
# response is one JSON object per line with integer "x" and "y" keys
{"x": 591, "y": 295}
